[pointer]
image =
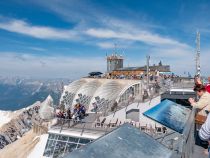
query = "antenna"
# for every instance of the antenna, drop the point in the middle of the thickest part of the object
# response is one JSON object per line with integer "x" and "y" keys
{"x": 197, "y": 58}
{"x": 148, "y": 58}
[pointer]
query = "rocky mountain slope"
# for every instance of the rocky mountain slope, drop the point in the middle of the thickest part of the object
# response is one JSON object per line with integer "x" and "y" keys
{"x": 17, "y": 93}
{"x": 20, "y": 123}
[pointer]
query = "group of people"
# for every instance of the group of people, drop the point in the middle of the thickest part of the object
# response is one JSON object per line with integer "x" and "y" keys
{"x": 78, "y": 113}
{"x": 203, "y": 104}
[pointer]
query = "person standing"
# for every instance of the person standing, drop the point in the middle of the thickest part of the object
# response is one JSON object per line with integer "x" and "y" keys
{"x": 199, "y": 82}
{"x": 207, "y": 86}
{"x": 204, "y": 132}
{"x": 204, "y": 102}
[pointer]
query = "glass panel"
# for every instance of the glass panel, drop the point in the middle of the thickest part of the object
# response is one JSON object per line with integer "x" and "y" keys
{"x": 59, "y": 149}
{"x": 52, "y": 136}
{"x": 84, "y": 141}
{"x": 74, "y": 140}
{"x": 70, "y": 147}
{"x": 79, "y": 146}
{"x": 169, "y": 114}
{"x": 64, "y": 138}
{"x": 49, "y": 148}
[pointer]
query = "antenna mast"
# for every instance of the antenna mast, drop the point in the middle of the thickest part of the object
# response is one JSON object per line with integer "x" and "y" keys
{"x": 148, "y": 58}
{"x": 197, "y": 59}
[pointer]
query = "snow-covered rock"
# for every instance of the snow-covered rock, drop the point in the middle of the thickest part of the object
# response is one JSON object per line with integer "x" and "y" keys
{"x": 46, "y": 111}
{"x": 5, "y": 117}
{"x": 17, "y": 123}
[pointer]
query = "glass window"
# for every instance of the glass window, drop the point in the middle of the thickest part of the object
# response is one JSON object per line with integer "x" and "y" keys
{"x": 63, "y": 138}
{"x": 70, "y": 147}
{"x": 49, "y": 148}
{"x": 52, "y": 136}
{"x": 74, "y": 140}
{"x": 79, "y": 146}
{"x": 59, "y": 149}
{"x": 84, "y": 141}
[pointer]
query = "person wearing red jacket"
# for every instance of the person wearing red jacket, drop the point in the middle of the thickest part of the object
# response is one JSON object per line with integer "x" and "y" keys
{"x": 207, "y": 86}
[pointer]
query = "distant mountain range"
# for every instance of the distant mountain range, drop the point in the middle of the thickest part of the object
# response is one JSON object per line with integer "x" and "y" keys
{"x": 17, "y": 93}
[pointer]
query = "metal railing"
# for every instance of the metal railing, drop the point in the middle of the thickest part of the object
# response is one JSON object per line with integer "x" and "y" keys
{"x": 187, "y": 142}
{"x": 79, "y": 125}
{"x": 182, "y": 147}
{"x": 181, "y": 84}
{"x": 103, "y": 127}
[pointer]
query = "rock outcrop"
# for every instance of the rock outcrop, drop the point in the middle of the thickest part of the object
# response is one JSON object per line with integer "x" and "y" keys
{"x": 46, "y": 110}
{"x": 22, "y": 147}
{"x": 19, "y": 125}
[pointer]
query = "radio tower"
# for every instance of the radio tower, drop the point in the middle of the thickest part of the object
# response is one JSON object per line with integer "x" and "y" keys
{"x": 197, "y": 58}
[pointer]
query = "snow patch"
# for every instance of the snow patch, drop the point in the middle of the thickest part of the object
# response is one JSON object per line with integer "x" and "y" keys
{"x": 5, "y": 117}
{"x": 46, "y": 110}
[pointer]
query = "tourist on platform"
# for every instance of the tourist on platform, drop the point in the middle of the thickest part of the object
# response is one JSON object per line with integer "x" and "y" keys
{"x": 81, "y": 112}
{"x": 69, "y": 115}
{"x": 208, "y": 85}
{"x": 76, "y": 112}
{"x": 204, "y": 132}
{"x": 199, "y": 82}
{"x": 204, "y": 102}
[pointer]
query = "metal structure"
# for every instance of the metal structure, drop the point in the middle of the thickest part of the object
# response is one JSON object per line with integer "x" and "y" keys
{"x": 197, "y": 59}
{"x": 148, "y": 58}
{"x": 114, "y": 61}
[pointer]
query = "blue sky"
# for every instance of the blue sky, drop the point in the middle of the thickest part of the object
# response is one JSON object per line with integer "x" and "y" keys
{"x": 69, "y": 38}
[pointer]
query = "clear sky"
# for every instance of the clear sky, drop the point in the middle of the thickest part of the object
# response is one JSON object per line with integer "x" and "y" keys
{"x": 69, "y": 38}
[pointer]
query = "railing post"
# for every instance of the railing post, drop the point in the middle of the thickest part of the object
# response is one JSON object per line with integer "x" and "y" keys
{"x": 83, "y": 130}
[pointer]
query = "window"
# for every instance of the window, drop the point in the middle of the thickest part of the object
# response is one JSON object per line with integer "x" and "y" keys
{"x": 58, "y": 145}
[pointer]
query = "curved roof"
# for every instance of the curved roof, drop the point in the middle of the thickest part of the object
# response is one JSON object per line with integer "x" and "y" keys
{"x": 87, "y": 89}
{"x": 124, "y": 90}
{"x": 90, "y": 90}
{"x": 73, "y": 87}
{"x": 109, "y": 91}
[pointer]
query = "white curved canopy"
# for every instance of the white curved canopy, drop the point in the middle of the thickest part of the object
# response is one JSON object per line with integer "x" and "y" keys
{"x": 74, "y": 86}
{"x": 87, "y": 90}
{"x": 70, "y": 91}
{"x": 108, "y": 91}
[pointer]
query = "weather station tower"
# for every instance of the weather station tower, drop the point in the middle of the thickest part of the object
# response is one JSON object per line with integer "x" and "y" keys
{"x": 114, "y": 61}
{"x": 197, "y": 58}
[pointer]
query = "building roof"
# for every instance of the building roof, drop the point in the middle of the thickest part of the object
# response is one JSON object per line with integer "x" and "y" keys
{"x": 124, "y": 142}
{"x": 95, "y": 73}
{"x": 94, "y": 90}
